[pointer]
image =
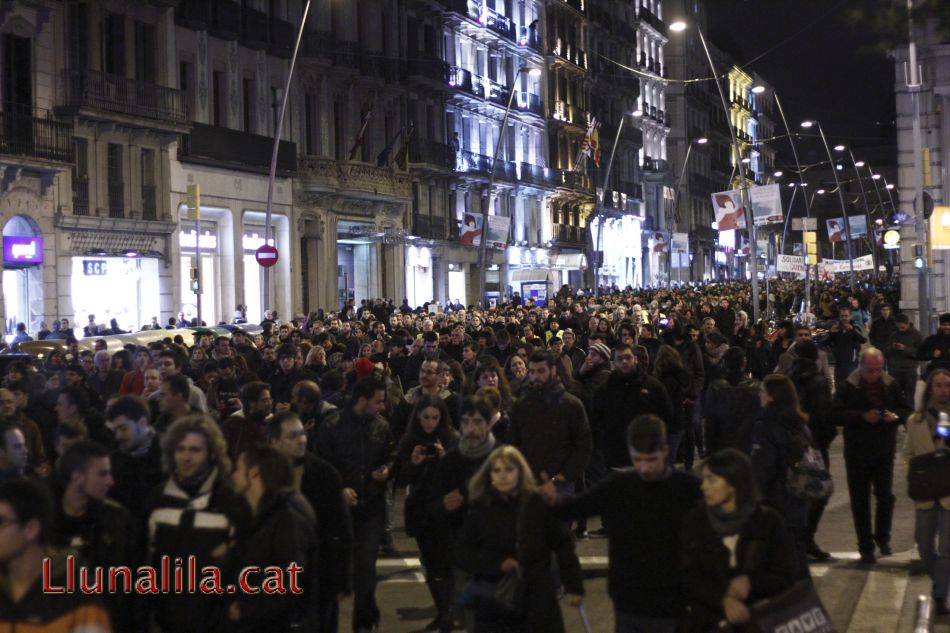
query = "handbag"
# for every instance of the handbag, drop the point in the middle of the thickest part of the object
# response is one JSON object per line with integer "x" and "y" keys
{"x": 796, "y": 609}
{"x": 928, "y": 476}
{"x": 807, "y": 477}
{"x": 502, "y": 598}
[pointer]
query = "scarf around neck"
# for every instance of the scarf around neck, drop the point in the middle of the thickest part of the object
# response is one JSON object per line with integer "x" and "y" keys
{"x": 728, "y": 523}
{"x": 479, "y": 452}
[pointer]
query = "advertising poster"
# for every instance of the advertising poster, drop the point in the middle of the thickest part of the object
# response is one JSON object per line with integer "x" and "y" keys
{"x": 766, "y": 204}
{"x": 730, "y": 214}
{"x": 837, "y": 232}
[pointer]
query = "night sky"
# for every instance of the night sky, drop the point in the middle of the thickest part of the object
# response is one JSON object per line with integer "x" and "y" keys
{"x": 820, "y": 66}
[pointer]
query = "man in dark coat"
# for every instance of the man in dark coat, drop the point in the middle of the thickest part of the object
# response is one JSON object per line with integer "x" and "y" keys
{"x": 137, "y": 463}
{"x": 936, "y": 348}
{"x": 279, "y": 532}
{"x": 320, "y": 484}
{"x": 550, "y": 425}
{"x": 359, "y": 444}
{"x": 870, "y": 406}
{"x": 645, "y": 507}
{"x": 628, "y": 392}
{"x": 844, "y": 339}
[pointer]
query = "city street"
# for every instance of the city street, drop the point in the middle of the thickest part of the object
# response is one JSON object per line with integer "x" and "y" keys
{"x": 860, "y": 600}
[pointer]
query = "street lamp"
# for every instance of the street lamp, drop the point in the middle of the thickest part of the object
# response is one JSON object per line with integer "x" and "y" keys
{"x": 844, "y": 211}
{"x": 272, "y": 175}
{"x": 486, "y": 202}
{"x": 592, "y": 261}
{"x": 867, "y": 208}
{"x": 672, "y": 219}
{"x": 678, "y": 27}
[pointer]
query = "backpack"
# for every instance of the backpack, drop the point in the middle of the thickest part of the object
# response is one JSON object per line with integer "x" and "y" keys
{"x": 807, "y": 476}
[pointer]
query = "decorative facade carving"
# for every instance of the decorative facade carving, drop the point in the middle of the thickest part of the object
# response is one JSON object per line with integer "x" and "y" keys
{"x": 355, "y": 177}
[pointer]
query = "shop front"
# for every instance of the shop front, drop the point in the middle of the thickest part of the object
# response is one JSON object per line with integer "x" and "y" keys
{"x": 22, "y": 274}
{"x": 357, "y": 262}
{"x": 419, "y": 286}
{"x": 192, "y": 246}
{"x": 622, "y": 246}
{"x": 126, "y": 289}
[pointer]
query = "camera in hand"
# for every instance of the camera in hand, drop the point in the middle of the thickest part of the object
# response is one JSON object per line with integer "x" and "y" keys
{"x": 429, "y": 449}
{"x": 943, "y": 427}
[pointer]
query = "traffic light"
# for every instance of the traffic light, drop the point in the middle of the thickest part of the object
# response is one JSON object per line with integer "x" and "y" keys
{"x": 193, "y": 202}
{"x": 195, "y": 280}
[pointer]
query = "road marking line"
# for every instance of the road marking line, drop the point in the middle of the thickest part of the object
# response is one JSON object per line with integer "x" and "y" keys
{"x": 879, "y": 607}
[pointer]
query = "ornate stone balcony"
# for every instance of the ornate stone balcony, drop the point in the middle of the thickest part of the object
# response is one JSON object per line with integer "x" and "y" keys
{"x": 342, "y": 176}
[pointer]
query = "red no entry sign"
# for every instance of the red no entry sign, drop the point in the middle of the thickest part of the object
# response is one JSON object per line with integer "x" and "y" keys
{"x": 266, "y": 255}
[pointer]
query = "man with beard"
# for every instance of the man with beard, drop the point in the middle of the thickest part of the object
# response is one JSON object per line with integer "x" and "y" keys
{"x": 91, "y": 526}
{"x": 279, "y": 533}
{"x": 446, "y": 497}
{"x": 549, "y": 425}
{"x": 191, "y": 514}
{"x": 629, "y": 391}
{"x": 320, "y": 484}
{"x": 137, "y": 464}
{"x": 645, "y": 507}
{"x": 247, "y": 427}
{"x": 359, "y": 444}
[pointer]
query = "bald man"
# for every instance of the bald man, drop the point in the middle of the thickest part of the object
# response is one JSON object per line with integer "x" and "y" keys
{"x": 870, "y": 405}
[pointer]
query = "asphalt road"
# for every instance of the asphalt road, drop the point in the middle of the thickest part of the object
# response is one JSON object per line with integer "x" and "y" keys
{"x": 860, "y": 600}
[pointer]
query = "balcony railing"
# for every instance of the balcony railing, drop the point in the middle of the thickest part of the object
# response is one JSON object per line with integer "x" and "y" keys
{"x": 225, "y": 19}
{"x": 650, "y": 18}
{"x": 434, "y": 69}
{"x": 33, "y": 137}
{"x": 81, "y": 196}
{"x": 324, "y": 174}
{"x": 527, "y": 102}
{"x": 116, "y": 193}
{"x": 567, "y": 51}
{"x": 149, "y": 202}
{"x": 113, "y": 93}
{"x": 254, "y": 29}
{"x": 570, "y": 113}
{"x": 465, "y": 81}
{"x": 574, "y": 180}
{"x": 282, "y": 38}
{"x": 346, "y": 54}
{"x": 500, "y": 24}
{"x": 222, "y": 147}
{"x": 495, "y": 92}
{"x": 371, "y": 64}
{"x": 317, "y": 43}
{"x": 428, "y": 226}
{"x": 567, "y": 234}
{"x": 529, "y": 38}
{"x": 424, "y": 151}
{"x": 540, "y": 176}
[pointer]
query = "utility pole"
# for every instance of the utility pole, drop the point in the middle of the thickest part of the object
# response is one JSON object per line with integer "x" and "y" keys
{"x": 921, "y": 250}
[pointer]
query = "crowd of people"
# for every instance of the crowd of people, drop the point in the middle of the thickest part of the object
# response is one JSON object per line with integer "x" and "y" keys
{"x": 668, "y": 413}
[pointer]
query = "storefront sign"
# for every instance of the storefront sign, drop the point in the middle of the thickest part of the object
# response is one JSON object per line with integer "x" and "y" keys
{"x": 94, "y": 267}
{"x": 22, "y": 250}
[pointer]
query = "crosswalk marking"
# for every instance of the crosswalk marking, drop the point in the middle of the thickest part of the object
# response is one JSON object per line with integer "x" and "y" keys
{"x": 879, "y": 607}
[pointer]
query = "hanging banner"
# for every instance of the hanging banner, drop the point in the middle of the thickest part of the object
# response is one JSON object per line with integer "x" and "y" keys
{"x": 791, "y": 264}
{"x": 730, "y": 214}
{"x": 498, "y": 229}
{"x": 766, "y": 203}
{"x": 681, "y": 242}
{"x": 659, "y": 243}
{"x": 471, "y": 229}
{"x": 804, "y": 224}
{"x": 837, "y": 266}
{"x": 837, "y": 232}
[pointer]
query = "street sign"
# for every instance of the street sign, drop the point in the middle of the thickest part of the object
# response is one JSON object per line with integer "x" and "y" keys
{"x": 266, "y": 255}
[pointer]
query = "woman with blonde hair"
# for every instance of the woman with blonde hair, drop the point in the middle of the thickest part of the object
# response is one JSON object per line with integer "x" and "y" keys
{"x": 509, "y": 529}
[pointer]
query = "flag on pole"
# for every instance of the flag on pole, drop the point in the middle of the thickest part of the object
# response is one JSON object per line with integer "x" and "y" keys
{"x": 590, "y": 147}
{"x": 383, "y": 159}
{"x": 359, "y": 137}
{"x": 402, "y": 156}
{"x": 584, "y": 152}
